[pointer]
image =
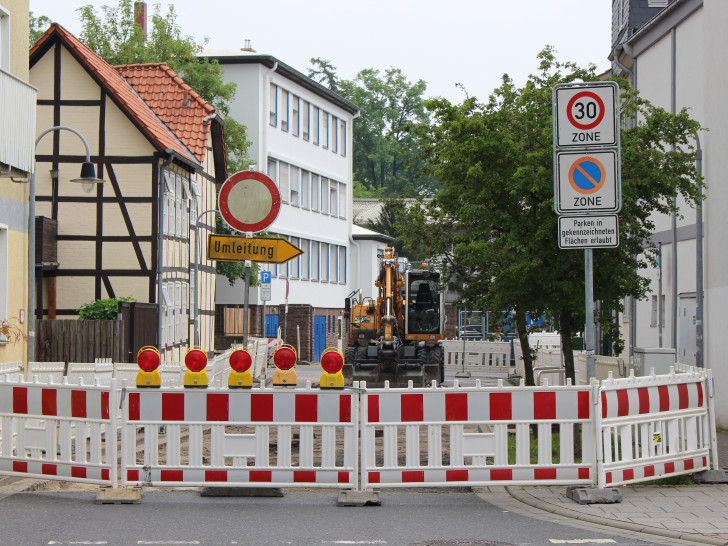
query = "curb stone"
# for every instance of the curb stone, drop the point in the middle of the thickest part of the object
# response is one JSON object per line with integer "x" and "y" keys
{"x": 522, "y": 496}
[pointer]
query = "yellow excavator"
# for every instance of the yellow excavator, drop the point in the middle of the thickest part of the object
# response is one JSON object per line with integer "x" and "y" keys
{"x": 396, "y": 337}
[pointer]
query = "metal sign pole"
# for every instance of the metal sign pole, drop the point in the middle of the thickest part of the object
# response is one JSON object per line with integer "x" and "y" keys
{"x": 589, "y": 312}
{"x": 246, "y": 297}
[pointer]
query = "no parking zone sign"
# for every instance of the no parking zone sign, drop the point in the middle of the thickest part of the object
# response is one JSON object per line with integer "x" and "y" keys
{"x": 587, "y": 182}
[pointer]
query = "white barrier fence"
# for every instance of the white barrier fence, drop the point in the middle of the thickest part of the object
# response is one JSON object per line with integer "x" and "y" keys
{"x": 225, "y": 437}
{"x": 59, "y": 432}
{"x": 492, "y": 357}
{"x": 615, "y": 432}
{"x": 474, "y": 426}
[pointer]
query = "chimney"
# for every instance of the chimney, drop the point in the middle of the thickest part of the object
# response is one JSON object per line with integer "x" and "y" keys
{"x": 247, "y": 46}
{"x": 140, "y": 16}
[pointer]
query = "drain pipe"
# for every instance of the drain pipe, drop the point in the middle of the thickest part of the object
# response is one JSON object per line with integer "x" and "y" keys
{"x": 699, "y": 260}
{"x": 160, "y": 248}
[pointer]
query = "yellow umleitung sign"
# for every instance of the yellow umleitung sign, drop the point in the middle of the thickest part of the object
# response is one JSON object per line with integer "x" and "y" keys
{"x": 268, "y": 250}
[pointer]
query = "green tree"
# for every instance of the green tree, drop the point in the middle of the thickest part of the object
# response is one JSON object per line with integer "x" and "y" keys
{"x": 38, "y": 25}
{"x": 494, "y": 222}
{"x": 390, "y": 221}
{"x": 385, "y": 162}
{"x": 116, "y": 38}
{"x": 323, "y": 72}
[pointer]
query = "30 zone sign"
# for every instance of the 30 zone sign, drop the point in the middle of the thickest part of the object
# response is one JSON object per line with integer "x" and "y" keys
{"x": 585, "y": 116}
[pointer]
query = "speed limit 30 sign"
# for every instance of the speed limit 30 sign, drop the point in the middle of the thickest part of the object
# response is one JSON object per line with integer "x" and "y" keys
{"x": 585, "y": 115}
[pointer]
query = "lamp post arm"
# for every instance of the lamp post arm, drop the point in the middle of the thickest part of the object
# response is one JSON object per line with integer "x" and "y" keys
{"x": 197, "y": 275}
{"x": 31, "y": 236}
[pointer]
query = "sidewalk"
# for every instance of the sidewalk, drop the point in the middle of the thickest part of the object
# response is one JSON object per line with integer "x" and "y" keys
{"x": 693, "y": 513}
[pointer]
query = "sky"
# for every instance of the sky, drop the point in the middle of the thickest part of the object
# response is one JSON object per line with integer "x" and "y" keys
{"x": 444, "y": 43}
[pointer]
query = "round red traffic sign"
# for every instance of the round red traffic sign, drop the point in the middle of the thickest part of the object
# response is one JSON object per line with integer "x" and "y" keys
{"x": 249, "y": 201}
{"x": 585, "y": 110}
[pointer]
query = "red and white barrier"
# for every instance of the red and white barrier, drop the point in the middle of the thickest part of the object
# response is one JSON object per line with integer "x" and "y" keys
{"x": 653, "y": 427}
{"x": 58, "y": 431}
{"x": 473, "y": 424}
{"x": 242, "y": 427}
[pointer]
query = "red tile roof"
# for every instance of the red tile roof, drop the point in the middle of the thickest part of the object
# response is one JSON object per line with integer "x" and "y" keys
{"x": 176, "y": 104}
{"x": 161, "y": 135}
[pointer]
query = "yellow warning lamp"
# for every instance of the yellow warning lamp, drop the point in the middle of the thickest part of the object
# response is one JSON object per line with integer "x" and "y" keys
{"x": 332, "y": 361}
{"x": 148, "y": 360}
{"x": 240, "y": 361}
{"x": 284, "y": 357}
{"x": 196, "y": 361}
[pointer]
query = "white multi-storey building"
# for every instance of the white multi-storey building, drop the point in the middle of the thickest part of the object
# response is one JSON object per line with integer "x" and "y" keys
{"x": 301, "y": 134}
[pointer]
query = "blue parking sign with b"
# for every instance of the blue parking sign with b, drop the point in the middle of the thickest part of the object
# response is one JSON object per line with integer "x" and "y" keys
{"x": 265, "y": 276}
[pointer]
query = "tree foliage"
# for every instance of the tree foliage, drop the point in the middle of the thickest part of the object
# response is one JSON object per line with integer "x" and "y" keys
{"x": 385, "y": 159}
{"x": 494, "y": 221}
{"x": 38, "y": 25}
{"x": 116, "y": 38}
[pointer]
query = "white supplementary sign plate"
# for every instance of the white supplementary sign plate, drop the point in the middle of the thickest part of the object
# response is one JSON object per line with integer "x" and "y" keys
{"x": 579, "y": 232}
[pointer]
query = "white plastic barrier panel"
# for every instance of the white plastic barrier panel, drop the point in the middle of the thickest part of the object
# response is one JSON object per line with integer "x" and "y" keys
{"x": 58, "y": 432}
{"x": 478, "y": 356}
{"x": 653, "y": 427}
{"x": 260, "y": 437}
{"x": 442, "y": 437}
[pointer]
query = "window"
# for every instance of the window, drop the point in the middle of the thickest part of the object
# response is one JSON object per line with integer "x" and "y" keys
{"x": 193, "y": 211}
{"x": 305, "y": 246}
{"x": 342, "y": 200}
{"x": 342, "y": 264}
{"x": 272, "y": 163}
{"x": 177, "y": 311}
{"x": 656, "y": 3}
{"x": 168, "y": 213}
{"x": 283, "y": 176}
{"x": 285, "y": 105}
{"x": 334, "y": 134}
{"x": 186, "y": 207}
{"x": 4, "y": 40}
{"x": 295, "y": 263}
{"x": 334, "y": 199}
{"x": 305, "y": 189}
{"x": 314, "y": 192}
{"x": 324, "y": 262}
{"x": 295, "y": 186}
{"x": 306, "y": 119}
{"x": 178, "y": 205}
{"x": 167, "y": 308}
{"x": 314, "y": 260}
{"x": 295, "y": 105}
{"x": 343, "y": 138}
{"x": 316, "y": 126}
{"x": 325, "y": 129}
{"x": 324, "y": 195}
{"x": 274, "y": 105}
{"x": 170, "y": 313}
{"x": 184, "y": 313}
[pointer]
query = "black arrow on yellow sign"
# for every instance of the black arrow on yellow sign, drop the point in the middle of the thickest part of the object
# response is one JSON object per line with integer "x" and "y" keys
{"x": 268, "y": 250}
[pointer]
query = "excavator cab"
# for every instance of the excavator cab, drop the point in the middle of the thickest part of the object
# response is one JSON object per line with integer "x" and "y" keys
{"x": 424, "y": 319}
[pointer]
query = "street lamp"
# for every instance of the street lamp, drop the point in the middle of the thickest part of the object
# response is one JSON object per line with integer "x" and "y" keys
{"x": 197, "y": 275}
{"x": 88, "y": 181}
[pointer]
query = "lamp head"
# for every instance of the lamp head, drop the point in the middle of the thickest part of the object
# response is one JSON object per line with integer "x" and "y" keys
{"x": 88, "y": 177}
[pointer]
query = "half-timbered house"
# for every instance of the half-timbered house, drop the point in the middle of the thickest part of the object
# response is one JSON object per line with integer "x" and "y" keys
{"x": 159, "y": 147}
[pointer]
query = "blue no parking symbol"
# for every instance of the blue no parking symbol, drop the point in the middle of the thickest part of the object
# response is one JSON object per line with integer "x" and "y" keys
{"x": 587, "y": 175}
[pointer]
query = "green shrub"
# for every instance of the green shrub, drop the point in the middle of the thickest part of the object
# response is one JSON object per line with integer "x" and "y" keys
{"x": 102, "y": 309}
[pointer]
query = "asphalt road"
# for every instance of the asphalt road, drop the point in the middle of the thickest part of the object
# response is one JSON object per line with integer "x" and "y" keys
{"x": 182, "y": 517}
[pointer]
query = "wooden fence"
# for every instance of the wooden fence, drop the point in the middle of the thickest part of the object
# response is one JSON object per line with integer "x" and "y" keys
{"x": 79, "y": 340}
{"x": 140, "y": 327}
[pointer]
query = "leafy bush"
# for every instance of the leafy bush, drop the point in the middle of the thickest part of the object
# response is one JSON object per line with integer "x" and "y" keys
{"x": 102, "y": 309}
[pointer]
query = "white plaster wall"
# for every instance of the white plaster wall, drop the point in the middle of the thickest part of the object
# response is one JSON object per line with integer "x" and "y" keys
{"x": 715, "y": 144}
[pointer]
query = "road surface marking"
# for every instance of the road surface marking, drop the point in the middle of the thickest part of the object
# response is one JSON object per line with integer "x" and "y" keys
{"x": 583, "y": 541}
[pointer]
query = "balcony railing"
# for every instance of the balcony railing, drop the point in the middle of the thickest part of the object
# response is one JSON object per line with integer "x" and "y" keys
{"x": 17, "y": 122}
